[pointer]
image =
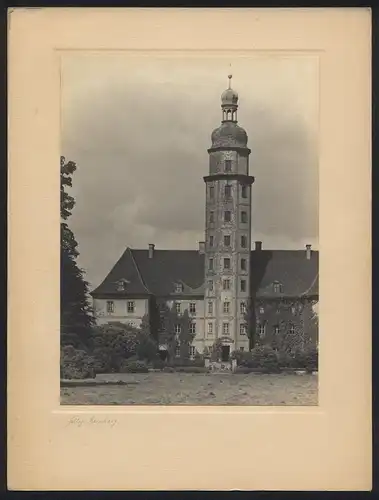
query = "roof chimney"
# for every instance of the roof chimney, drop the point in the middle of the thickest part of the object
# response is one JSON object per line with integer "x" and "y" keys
{"x": 201, "y": 247}
{"x": 258, "y": 245}
{"x": 308, "y": 251}
{"x": 151, "y": 250}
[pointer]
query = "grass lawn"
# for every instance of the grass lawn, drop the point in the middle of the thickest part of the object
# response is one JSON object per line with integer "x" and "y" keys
{"x": 198, "y": 389}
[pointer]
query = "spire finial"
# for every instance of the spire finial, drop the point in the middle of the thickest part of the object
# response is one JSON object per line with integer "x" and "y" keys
{"x": 230, "y": 76}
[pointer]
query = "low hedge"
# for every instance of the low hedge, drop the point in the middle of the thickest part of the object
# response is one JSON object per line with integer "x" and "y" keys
{"x": 134, "y": 367}
{"x": 191, "y": 369}
{"x": 196, "y": 362}
{"x": 267, "y": 360}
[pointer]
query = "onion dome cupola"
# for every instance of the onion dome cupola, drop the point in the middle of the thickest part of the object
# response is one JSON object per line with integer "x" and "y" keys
{"x": 229, "y": 134}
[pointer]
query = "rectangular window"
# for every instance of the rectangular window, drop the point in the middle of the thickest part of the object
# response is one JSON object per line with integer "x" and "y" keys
{"x": 243, "y": 329}
{"x": 110, "y": 306}
{"x": 261, "y": 328}
{"x": 243, "y": 307}
{"x": 277, "y": 287}
{"x": 226, "y": 307}
{"x": 276, "y": 330}
{"x": 227, "y": 240}
{"x": 131, "y": 306}
{"x": 225, "y": 328}
{"x": 192, "y": 350}
{"x": 210, "y": 328}
{"x": 261, "y": 310}
{"x": 242, "y": 349}
{"x": 178, "y": 307}
{"x": 178, "y": 329}
{"x": 226, "y": 263}
{"x": 244, "y": 191}
{"x": 243, "y": 264}
{"x": 210, "y": 285}
{"x": 228, "y": 165}
{"x": 178, "y": 288}
{"x": 210, "y": 307}
{"x": 211, "y": 217}
{"x": 177, "y": 350}
{"x": 243, "y": 285}
{"x": 243, "y": 217}
{"x": 211, "y": 241}
{"x": 226, "y": 284}
{"x": 228, "y": 191}
{"x": 211, "y": 192}
{"x": 211, "y": 264}
{"x": 292, "y": 330}
{"x": 227, "y": 216}
{"x": 192, "y": 307}
{"x": 243, "y": 241}
{"x": 293, "y": 310}
{"x": 192, "y": 328}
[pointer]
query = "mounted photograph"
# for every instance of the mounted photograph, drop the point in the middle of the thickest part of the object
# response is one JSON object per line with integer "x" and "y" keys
{"x": 189, "y": 229}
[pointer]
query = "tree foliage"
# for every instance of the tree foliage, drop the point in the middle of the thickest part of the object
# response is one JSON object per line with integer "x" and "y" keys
{"x": 76, "y": 313}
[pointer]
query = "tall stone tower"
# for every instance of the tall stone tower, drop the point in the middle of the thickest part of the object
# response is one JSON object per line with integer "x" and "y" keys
{"x": 228, "y": 230}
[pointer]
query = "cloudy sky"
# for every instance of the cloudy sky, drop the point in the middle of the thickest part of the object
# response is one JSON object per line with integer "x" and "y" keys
{"x": 139, "y": 126}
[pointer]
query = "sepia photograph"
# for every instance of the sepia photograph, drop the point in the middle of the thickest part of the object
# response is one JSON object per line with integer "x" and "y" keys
{"x": 197, "y": 262}
{"x": 189, "y": 229}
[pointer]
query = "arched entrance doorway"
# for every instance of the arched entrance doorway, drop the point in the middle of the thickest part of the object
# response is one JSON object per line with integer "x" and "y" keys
{"x": 226, "y": 348}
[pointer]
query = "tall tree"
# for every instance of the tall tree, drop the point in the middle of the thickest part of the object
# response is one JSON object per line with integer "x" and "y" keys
{"x": 76, "y": 314}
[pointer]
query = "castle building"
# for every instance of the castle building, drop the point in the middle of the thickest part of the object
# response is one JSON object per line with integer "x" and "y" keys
{"x": 228, "y": 291}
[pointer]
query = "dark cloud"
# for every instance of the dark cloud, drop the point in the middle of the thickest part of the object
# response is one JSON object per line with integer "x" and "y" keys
{"x": 142, "y": 154}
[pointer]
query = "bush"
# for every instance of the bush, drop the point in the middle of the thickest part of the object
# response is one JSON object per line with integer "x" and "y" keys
{"x": 266, "y": 358}
{"x": 146, "y": 347}
{"x": 285, "y": 359}
{"x": 133, "y": 367}
{"x": 311, "y": 359}
{"x": 197, "y": 362}
{"x": 168, "y": 369}
{"x": 191, "y": 369}
{"x": 158, "y": 364}
{"x": 216, "y": 350}
{"x": 244, "y": 358}
{"x": 306, "y": 359}
{"x": 76, "y": 364}
{"x": 243, "y": 369}
{"x": 103, "y": 360}
{"x": 116, "y": 342}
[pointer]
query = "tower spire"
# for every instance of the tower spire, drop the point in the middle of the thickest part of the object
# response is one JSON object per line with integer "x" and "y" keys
{"x": 229, "y": 103}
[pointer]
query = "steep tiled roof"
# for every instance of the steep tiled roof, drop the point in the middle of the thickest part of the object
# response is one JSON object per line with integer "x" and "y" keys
{"x": 296, "y": 275}
{"x": 170, "y": 267}
{"x": 124, "y": 269}
{"x": 159, "y": 275}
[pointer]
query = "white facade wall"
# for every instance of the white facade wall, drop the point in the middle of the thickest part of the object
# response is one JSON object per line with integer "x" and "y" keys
{"x": 103, "y": 313}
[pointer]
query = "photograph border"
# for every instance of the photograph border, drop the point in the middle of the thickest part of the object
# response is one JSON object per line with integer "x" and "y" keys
{"x": 45, "y": 451}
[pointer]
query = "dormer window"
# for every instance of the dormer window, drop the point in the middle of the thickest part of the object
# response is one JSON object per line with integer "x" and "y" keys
{"x": 121, "y": 285}
{"x": 277, "y": 287}
{"x": 178, "y": 288}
